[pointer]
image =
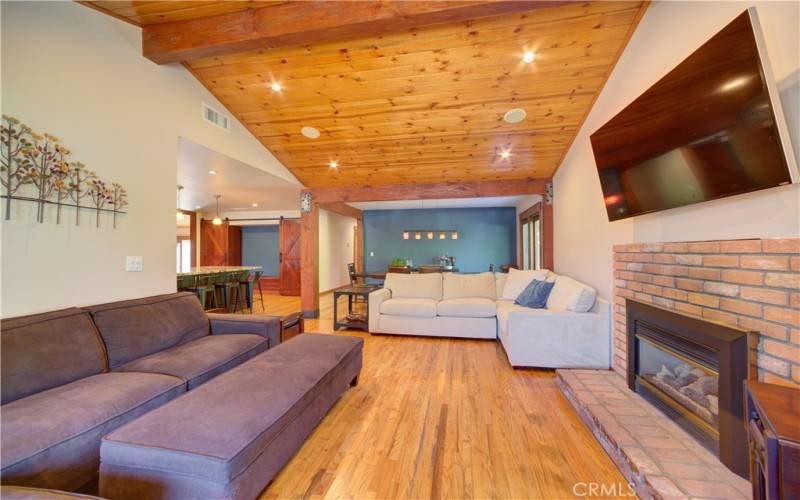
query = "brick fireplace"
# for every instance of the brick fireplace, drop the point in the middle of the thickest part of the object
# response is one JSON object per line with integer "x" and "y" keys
{"x": 744, "y": 286}
{"x": 751, "y": 284}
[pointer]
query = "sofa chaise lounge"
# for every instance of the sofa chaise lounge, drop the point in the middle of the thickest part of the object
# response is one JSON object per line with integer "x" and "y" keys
{"x": 70, "y": 377}
{"x": 573, "y": 331}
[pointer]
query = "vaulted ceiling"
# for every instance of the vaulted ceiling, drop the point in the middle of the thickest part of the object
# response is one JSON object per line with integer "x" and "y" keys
{"x": 419, "y": 104}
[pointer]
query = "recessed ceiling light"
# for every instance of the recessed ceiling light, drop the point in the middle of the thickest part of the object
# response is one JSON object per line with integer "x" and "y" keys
{"x": 529, "y": 57}
{"x": 505, "y": 155}
{"x": 515, "y": 115}
{"x": 334, "y": 164}
{"x": 310, "y": 132}
{"x": 212, "y": 172}
{"x": 276, "y": 87}
{"x": 254, "y": 205}
{"x": 197, "y": 207}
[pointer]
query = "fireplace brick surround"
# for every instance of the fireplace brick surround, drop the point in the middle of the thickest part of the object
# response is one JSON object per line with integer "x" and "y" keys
{"x": 753, "y": 284}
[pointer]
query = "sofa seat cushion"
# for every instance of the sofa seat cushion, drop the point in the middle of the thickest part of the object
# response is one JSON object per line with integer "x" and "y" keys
{"x": 506, "y": 307}
{"x": 467, "y": 308}
{"x": 415, "y": 308}
{"x": 202, "y": 359}
{"x": 52, "y": 439}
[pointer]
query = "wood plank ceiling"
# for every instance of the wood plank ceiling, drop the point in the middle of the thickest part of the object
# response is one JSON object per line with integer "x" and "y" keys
{"x": 426, "y": 105}
{"x": 145, "y": 13}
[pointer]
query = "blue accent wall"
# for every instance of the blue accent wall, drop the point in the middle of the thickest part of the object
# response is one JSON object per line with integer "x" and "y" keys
{"x": 261, "y": 247}
{"x": 485, "y": 236}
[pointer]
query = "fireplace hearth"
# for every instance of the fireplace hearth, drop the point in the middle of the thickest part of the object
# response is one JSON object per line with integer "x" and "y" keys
{"x": 692, "y": 371}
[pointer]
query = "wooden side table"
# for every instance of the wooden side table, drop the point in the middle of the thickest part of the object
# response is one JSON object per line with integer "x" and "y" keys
{"x": 291, "y": 326}
{"x": 773, "y": 428}
{"x": 353, "y": 319}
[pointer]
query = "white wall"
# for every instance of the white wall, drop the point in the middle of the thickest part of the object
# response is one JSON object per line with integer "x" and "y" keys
{"x": 78, "y": 74}
{"x": 667, "y": 34}
{"x": 335, "y": 249}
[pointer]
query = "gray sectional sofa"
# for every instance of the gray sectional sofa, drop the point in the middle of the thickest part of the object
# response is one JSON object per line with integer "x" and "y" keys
{"x": 71, "y": 377}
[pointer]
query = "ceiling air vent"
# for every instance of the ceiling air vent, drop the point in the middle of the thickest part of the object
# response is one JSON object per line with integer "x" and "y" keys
{"x": 216, "y": 118}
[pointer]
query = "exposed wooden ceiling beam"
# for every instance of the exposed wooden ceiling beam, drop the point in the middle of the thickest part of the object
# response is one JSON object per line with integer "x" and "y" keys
{"x": 304, "y": 23}
{"x": 442, "y": 191}
{"x": 341, "y": 208}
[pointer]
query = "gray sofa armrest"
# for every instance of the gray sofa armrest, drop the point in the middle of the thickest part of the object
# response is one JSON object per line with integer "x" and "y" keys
{"x": 256, "y": 324}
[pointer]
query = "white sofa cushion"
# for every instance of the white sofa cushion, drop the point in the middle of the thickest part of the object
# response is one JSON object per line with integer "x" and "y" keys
{"x": 414, "y": 308}
{"x": 500, "y": 283}
{"x": 518, "y": 280}
{"x": 414, "y": 286}
{"x": 456, "y": 286}
{"x": 467, "y": 308}
{"x": 570, "y": 295}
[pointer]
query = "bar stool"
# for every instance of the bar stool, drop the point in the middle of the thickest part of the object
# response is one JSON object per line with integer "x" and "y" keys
{"x": 226, "y": 285}
{"x": 200, "y": 286}
{"x": 249, "y": 282}
{"x": 236, "y": 280}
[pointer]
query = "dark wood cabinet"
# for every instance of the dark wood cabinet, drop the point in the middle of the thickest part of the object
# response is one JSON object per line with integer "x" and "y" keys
{"x": 220, "y": 245}
{"x": 773, "y": 429}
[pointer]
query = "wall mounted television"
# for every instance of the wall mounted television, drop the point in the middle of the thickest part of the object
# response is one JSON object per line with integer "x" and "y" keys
{"x": 712, "y": 127}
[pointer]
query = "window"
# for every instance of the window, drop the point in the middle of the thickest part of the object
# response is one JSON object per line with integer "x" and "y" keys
{"x": 184, "y": 254}
{"x": 530, "y": 241}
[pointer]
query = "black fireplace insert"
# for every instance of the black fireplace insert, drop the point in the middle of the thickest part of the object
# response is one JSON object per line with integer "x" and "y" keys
{"x": 693, "y": 371}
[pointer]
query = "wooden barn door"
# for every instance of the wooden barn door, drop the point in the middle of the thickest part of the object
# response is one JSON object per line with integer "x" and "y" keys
{"x": 213, "y": 244}
{"x": 220, "y": 245}
{"x": 290, "y": 257}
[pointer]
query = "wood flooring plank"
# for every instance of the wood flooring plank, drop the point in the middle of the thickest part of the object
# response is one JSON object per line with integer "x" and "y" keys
{"x": 441, "y": 418}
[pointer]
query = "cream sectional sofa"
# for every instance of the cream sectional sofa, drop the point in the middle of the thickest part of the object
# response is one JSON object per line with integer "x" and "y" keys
{"x": 481, "y": 306}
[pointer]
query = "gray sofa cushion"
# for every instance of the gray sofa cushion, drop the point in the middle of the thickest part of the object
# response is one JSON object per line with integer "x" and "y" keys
{"x": 52, "y": 439}
{"x": 202, "y": 359}
{"x": 132, "y": 329}
{"x": 213, "y": 434}
{"x": 42, "y": 351}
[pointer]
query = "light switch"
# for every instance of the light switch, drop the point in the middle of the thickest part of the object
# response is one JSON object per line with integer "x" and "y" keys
{"x": 134, "y": 263}
{"x": 372, "y": 254}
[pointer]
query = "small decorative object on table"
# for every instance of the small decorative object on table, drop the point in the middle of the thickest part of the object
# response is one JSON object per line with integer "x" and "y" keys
{"x": 773, "y": 428}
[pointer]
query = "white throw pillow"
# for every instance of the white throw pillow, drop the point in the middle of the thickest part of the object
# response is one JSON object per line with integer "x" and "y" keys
{"x": 518, "y": 280}
{"x": 473, "y": 286}
{"x": 414, "y": 286}
{"x": 570, "y": 295}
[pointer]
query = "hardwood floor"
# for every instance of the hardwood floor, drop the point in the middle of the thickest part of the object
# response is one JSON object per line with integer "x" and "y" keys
{"x": 441, "y": 418}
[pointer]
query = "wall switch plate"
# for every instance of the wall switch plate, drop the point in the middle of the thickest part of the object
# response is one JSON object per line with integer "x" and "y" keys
{"x": 134, "y": 263}
{"x": 372, "y": 254}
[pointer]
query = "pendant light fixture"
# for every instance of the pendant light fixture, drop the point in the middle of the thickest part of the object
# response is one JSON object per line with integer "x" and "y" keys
{"x": 217, "y": 221}
{"x": 179, "y": 215}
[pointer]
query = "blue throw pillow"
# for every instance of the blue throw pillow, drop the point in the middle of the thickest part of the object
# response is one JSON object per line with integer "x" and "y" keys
{"x": 535, "y": 294}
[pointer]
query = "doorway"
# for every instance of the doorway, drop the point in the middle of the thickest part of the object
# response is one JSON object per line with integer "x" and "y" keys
{"x": 530, "y": 238}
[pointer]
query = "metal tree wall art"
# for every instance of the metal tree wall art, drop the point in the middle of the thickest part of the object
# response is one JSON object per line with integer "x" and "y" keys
{"x": 34, "y": 168}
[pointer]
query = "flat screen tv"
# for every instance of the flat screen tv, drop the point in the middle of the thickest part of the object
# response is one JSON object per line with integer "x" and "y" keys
{"x": 712, "y": 127}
